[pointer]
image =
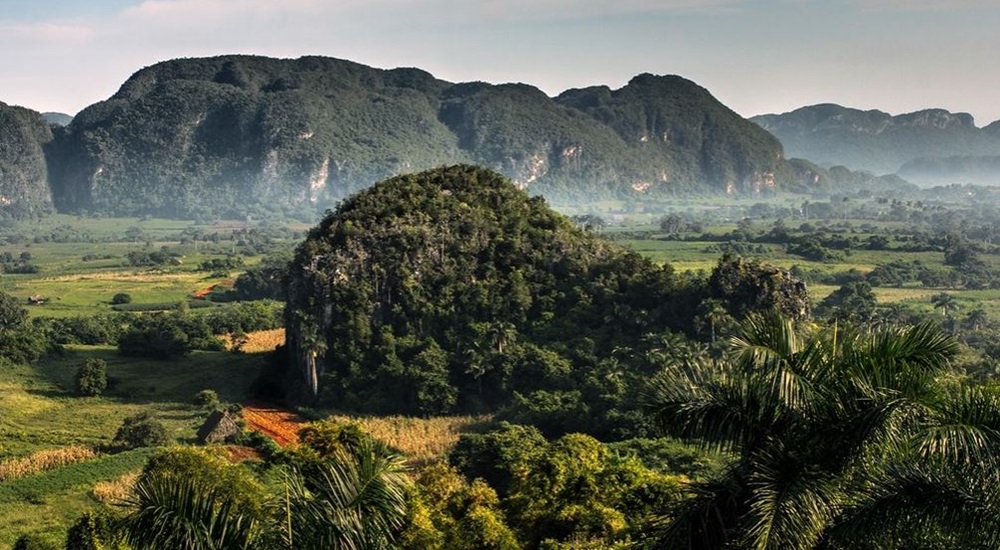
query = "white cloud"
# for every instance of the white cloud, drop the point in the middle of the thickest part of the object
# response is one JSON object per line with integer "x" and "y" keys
{"x": 46, "y": 33}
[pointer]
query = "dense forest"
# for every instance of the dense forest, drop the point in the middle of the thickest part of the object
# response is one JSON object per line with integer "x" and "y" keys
{"x": 452, "y": 291}
{"x": 24, "y": 186}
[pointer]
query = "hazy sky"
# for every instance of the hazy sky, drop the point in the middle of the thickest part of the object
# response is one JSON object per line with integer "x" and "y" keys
{"x": 756, "y": 56}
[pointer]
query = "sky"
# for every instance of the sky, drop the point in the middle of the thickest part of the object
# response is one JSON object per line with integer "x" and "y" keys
{"x": 756, "y": 56}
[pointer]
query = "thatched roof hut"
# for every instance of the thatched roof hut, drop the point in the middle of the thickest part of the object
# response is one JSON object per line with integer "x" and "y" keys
{"x": 218, "y": 428}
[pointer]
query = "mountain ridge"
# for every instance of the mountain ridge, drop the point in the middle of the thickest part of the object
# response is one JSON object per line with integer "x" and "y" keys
{"x": 235, "y": 136}
{"x": 877, "y": 141}
{"x": 310, "y": 131}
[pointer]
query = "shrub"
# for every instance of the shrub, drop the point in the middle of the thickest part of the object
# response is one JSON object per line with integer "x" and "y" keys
{"x": 207, "y": 399}
{"x": 92, "y": 377}
{"x": 141, "y": 430}
{"x": 121, "y": 298}
{"x": 159, "y": 342}
{"x": 93, "y": 531}
{"x": 35, "y": 541}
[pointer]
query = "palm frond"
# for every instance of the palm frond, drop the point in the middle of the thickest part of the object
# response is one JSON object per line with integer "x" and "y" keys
{"x": 963, "y": 429}
{"x": 169, "y": 512}
{"x": 354, "y": 500}
{"x": 791, "y": 503}
{"x": 705, "y": 519}
{"x": 912, "y": 505}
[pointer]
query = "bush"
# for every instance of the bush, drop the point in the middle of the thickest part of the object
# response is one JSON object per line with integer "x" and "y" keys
{"x": 121, "y": 298}
{"x": 141, "y": 430}
{"x": 158, "y": 342}
{"x": 92, "y": 378}
{"x": 207, "y": 399}
{"x": 35, "y": 541}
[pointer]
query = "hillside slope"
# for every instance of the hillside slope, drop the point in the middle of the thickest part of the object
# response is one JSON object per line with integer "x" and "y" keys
{"x": 235, "y": 134}
{"x": 24, "y": 191}
{"x": 451, "y": 290}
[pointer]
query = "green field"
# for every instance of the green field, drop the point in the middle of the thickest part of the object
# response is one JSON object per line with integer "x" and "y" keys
{"x": 38, "y": 411}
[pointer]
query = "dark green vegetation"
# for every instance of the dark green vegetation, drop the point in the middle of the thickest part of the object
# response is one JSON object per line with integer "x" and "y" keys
{"x": 238, "y": 135}
{"x": 930, "y": 147}
{"x": 842, "y": 439}
{"x": 201, "y": 136}
{"x": 24, "y": 187}
{"x": 451, "y": 290}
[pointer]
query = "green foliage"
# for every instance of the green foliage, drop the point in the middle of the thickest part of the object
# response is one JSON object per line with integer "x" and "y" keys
{"x": 451, "y": 290}
{"x": 93, "y": 531}
{"x": 207, "y": 399}
{"x": 495, "y": 456}
{"x": 12, "y": 313}
{"x": 92, "y": 377}
{"x": 55, "y": 483}
{"x": 357, "y": 499}
{"x": 121, "y": 298}
{"x": 158, "y": 342}
{"x": 23, "y": 170}
{"x": 35, "y": 542}
{"x": 239, "y": 135}
{"x": 264, "y": 281}
{"x": 853, "y": 301}
{"x": 193, "y": 498}
{"x": 171, "y": 335}
{"x": 747, "y": 286}
{"x": 841, "y": 436}
{"x": 141, "y": 430}
{"x": 446, "y": 511}
{"x": 571, "y": 489}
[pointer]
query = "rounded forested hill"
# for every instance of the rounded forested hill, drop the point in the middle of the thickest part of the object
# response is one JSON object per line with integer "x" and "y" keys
{"x": 234, "y": 134}
{"x": 24, "y": 190}
{"x": 451, "y": 290}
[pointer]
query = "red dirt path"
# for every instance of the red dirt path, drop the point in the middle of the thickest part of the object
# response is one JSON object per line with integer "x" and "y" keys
{"x": 280, "y": 425}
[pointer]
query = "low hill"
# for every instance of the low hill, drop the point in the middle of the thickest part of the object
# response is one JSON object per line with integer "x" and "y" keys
{"x": 877, "y": 141}
{"x": 453, "y": 291}
{"x": 24, "y": 191}
{"x": 234, "y": 134}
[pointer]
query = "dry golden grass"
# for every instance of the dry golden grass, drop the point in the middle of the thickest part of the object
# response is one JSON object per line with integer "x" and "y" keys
{"x": 16, "y": 468}
{"x": 421, "y": 439}
{"x": 118, "y": 276}
{"x": 262, "y": 341}
{"x": 115, "y": 491}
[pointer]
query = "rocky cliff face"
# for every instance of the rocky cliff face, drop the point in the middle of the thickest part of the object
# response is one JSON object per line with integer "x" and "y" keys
{"x": 228, "y": 135}
{"x": 24, "y": 191}
{"x": 874, "y": 140}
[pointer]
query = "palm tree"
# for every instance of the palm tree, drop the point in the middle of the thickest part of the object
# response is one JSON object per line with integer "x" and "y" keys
{"x": 829, "y": 434}
{"x": 353, "y": 499}
{"x": 356, "y": 500}
{"x": 947, "y": 304}
{"x": 183, "y": 513}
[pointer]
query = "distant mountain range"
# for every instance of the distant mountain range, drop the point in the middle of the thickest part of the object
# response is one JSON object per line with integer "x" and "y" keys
{"x": 933, "y": 146}
{"x": 236, "y": 135}
{"x": 58, "y": 119}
